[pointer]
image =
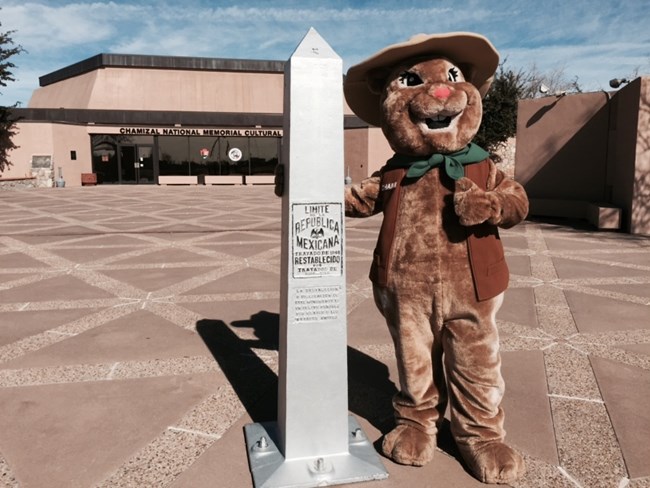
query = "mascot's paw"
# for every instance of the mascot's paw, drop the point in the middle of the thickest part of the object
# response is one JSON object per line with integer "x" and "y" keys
{"x": 407, "y": 445}
{"x": 475, "y": 206}
{"x": 494, "y": 462}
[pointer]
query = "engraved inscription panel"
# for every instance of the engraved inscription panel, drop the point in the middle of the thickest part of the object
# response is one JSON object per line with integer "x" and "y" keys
{"x": 317, "y": 303}
{"x": 317, "y": 239}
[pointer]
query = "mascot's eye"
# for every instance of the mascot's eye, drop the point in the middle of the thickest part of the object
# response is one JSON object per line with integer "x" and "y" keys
{"x": 409, "y": 79}
{"x": 453, "y": 74}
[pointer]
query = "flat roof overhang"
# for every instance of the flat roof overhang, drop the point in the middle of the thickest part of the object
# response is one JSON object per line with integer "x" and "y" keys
{"x": 148, "y": 117}
{"x": 107, "y": 60}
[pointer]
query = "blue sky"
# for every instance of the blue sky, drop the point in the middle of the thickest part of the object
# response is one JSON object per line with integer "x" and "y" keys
{"x": 593, "y": 40}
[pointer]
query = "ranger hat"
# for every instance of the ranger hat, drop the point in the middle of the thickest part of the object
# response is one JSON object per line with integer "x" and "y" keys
{"x": 472, "y": 53}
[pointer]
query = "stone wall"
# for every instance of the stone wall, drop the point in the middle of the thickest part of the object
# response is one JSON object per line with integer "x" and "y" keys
{"x": 41, "y": 178}
{"x": 17, "y": 183}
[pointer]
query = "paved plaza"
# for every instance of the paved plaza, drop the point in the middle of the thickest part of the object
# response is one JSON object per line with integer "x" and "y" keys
{"x": 139, "y": 332}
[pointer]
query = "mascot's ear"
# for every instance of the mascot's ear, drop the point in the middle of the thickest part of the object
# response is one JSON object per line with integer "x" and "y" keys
{"x": 376, "y": 79}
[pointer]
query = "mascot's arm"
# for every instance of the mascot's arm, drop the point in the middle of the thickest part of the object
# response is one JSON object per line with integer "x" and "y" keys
{"x": 362, "y": 199}
{"x": 504, "y": 203}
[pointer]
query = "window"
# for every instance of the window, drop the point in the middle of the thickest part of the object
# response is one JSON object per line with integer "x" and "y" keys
{"x": 180, "y": 155}
{"x": 173, "y": 155}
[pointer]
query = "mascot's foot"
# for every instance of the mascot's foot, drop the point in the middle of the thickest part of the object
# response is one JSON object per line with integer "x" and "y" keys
{"x": 493, "y": 462}
{"x": 407, "y": 445}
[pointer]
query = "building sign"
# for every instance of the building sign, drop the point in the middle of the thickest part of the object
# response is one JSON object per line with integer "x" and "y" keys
{"x": 317, "y": 239}
{"x": 186, "y": 131}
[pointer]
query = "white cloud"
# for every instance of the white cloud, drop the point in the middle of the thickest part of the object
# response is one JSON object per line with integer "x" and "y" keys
{"x": 588, "y": 37}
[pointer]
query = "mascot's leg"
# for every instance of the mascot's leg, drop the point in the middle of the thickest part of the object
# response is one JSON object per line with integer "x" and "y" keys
{"x": 421, "y": 402}
{"x": 476, "y": 387}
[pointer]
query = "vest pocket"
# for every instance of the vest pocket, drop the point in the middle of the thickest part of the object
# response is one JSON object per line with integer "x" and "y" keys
{"x": 496, "y": 266}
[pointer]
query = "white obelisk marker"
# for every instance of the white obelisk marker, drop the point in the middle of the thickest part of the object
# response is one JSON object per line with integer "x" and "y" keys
{"x": 315, "y": 441}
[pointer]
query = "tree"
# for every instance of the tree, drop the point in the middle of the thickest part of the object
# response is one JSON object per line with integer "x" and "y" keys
{"x": 7, "y": 121}
{"x": 554, "y": 80}
{"x": 500, "y": 104}
{"x": 500, "y": 110}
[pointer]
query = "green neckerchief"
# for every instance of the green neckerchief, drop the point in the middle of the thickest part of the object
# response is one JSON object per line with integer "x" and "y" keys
{"x": 453, "y": 162}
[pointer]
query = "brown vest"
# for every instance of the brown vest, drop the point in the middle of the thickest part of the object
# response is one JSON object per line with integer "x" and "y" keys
{"x": 485, "y": 252}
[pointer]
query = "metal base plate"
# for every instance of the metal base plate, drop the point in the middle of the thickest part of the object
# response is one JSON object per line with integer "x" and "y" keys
{"x": 271, "y": 470}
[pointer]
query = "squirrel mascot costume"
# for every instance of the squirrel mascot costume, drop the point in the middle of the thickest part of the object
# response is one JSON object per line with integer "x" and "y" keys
{"x": 439, "y": 270}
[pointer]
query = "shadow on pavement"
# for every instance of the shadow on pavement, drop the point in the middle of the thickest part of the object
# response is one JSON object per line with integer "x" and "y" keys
{"x": 370, "y": 389}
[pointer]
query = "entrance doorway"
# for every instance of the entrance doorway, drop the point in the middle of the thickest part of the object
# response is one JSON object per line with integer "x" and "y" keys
{"x": 136, "y": 164}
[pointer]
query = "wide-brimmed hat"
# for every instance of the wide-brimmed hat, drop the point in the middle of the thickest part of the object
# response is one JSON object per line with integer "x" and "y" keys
{"x": 466, "y": 49}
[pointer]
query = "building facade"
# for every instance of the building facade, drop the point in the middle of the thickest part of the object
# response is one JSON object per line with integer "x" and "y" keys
{"x": 134, "y": 119}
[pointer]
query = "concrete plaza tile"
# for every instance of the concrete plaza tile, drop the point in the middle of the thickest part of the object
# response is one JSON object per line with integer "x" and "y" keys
{"x": 38, "y": 239}
{"x": 18, "y": 325}
{"x": 236, "y": 222}
{"x": 135, "y": 218}
{"x": 357, "y": 270}
{"x": 519, "y": 307}
{"x": 626, "y": 391}
{"x": 182, "y": 227}
{"x": 639, "y": 290}
{"x": 636, "y": 259}
{"x": 528, "y": 421}
{"x": 362, "y": 237}
{"x": 64, "y": 287}
{"x": 68, "y": 230}
{"x": 125, "y": 227}
{"x": 572, "y": 243}
{"x": 76, "y": 434}
{"x": 171, "y": 255}
{"x": 519, "y": 265}
{"x": 242, "y": 250}
{"x": 84, "y": 255}
{"x": 29, "y": 221}
{"x": 601, "y": 314}
{"x": 236, "y": 237}
{"x": 110, "y": 240}
{"x": 511, "y": 240}
{"x": 183, "y": 211}
{"x": 96, "y": 215}
{"x": 7, "y": 277}
{"x": 237, "y": 312}
{"x": 19, "y": 260}
{"x": 173, "y": 237}
{"x": 367, "y": 326}
{"x": 643, "y": 349}
{"x": 245, "y": 280}
{"x": 137, "y": 336}
{"x": 575, "y": 269}
{"x": 153, "y": 279}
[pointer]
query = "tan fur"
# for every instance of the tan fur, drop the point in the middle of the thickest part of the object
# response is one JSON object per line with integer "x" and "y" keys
{"x": 446, "y": 339}
{"x": 402, "y": 107}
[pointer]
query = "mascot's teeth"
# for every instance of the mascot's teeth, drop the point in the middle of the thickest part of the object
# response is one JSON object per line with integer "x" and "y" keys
{"x": 438, "y": 122}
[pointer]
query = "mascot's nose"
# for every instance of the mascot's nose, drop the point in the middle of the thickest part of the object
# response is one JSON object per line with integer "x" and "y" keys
{"x": 442, "y": 92}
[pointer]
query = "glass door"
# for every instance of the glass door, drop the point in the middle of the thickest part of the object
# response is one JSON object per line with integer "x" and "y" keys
{"x": 144, "y": 165}
{"x": 136, "y": 164}
{"x": 127, "y": 164}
